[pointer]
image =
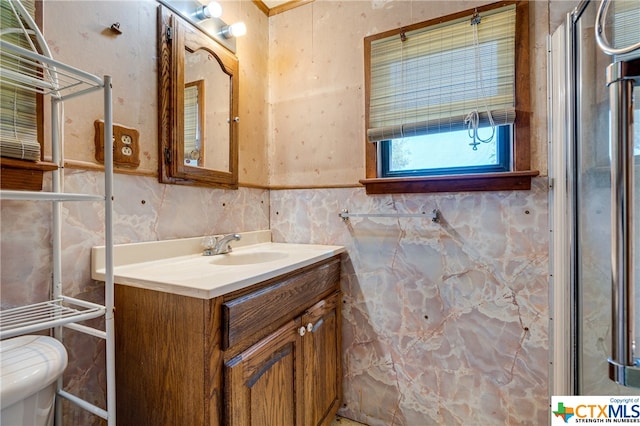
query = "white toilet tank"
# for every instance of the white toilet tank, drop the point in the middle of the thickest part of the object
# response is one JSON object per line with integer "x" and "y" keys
{"x": 29, "y": 368}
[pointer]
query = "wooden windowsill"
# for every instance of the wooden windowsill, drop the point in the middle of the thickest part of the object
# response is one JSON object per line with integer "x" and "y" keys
{"x": 506, "y": 181}
{"x": 23, "y": 175}
{"x": 14, "y": 163}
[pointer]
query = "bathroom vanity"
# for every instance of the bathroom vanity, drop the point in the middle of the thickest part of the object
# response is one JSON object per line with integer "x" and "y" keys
{"x": 265, "y": 352}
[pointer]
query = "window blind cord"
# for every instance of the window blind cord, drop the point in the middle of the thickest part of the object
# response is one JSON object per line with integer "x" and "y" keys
{"x": 472, "y": 119}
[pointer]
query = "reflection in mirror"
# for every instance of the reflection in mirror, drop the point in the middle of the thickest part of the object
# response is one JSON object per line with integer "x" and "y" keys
{"x": 193, "y": 123}
{"x": 215, "y": 114}
{"x": 198, "y": 104}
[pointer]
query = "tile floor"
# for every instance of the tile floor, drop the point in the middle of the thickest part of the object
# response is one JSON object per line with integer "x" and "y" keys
{"x": 341, "y": 421}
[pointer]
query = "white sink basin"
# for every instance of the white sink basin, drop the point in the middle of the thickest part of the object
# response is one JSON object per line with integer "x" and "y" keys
{"x": 250, "y": 258}
{"x": 178, "y": 266}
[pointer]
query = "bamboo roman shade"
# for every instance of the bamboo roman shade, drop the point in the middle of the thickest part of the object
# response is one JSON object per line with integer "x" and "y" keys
{"x": 18, "y": 116}
{"x": 191, "y": 114}
{"x": 430, "y": 79}
{"x": 626, "y": 19}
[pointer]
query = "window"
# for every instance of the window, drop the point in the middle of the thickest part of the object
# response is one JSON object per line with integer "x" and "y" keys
{"x": 21, "y": 110}
{"x": 18, "y": 121}
{"x": 446, "y": 153}
{"x": 193, "y": 122}
{"x": 447, "y": 103}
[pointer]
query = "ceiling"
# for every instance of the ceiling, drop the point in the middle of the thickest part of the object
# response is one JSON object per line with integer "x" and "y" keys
{"x": 274, "y": 3}
{"x": 273, "y": 7}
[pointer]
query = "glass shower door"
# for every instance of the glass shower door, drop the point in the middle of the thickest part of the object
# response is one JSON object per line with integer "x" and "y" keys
{"x": 594, "y": 207}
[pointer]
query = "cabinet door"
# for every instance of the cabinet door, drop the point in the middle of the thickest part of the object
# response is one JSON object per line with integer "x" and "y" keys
{"x": 263, "y": 384}
{"x": 322, "y": 363}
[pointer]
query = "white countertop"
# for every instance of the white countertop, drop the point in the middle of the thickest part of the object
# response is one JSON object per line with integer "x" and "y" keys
{"x": 177, "y": 266}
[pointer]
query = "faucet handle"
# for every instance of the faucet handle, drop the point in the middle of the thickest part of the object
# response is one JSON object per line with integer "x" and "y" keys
{"x": 208, "y": 244}
{"x": 209, "y": 241}
{"x": 218, "y": 244}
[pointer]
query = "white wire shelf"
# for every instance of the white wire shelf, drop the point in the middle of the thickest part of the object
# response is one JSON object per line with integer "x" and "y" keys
{"x": 47, "y": 196}
{"x": 40, "y": 74}
{"x": 45, "y": 315}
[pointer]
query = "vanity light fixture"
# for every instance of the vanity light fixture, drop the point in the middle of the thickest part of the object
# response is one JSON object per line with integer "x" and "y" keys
{"x": 211, "y": 10}
{"x": 235, "y": 30}
{"x": 206, "y": 17}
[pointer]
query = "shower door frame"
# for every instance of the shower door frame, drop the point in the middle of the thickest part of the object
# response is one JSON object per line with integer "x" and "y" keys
{"x": 565, "y": 105}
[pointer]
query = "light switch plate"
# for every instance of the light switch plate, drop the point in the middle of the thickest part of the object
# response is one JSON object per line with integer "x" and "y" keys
{"x": 126, "y": 145}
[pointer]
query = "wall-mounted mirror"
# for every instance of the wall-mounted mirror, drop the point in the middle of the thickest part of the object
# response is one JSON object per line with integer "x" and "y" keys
{"x": 198, "y": 106}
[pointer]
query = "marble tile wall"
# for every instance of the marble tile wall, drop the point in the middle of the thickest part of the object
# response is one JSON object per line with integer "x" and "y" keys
{"x": 444, "y": 323}
{"x": 144, "y": 210}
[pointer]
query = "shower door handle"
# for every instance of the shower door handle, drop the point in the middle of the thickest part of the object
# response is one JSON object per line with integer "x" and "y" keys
{"x": 624, "y": 367}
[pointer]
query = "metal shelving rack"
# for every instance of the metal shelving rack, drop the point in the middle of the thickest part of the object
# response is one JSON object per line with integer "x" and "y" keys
{"x": 40, "y": 73}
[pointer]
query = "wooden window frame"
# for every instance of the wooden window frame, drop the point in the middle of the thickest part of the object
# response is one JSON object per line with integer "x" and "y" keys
{"x": 519, "y": 178}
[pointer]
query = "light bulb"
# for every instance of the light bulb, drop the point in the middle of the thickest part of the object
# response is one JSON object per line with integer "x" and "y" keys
{"x": 212, "y": 10}
{"x": 236, "y": 30}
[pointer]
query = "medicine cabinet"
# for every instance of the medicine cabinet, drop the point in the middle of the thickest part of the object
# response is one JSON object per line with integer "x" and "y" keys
{"x": 198, "y": 106}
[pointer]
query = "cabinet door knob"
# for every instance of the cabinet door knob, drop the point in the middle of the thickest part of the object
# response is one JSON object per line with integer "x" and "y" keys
{"x": 302, "y": 331}
{"x": 310, "y": 327}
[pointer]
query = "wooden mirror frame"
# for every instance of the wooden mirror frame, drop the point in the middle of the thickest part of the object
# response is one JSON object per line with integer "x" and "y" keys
{"x": 174, "y": 33}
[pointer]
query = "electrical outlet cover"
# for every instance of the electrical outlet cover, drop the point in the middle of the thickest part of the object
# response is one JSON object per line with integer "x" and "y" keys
{"x": 126, "y": 145}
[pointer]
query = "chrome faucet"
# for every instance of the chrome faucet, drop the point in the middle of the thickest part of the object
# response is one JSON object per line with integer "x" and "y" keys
{"x": 220, "y": 245}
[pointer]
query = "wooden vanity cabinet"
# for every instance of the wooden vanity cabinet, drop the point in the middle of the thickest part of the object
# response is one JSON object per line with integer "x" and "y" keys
{"x": 237, "y": 359}
{"x": 263, "y": 384}
{"x": 168, "y": 358}
{"x": 322, "y": 357}
{"x": 292, "y": 376}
